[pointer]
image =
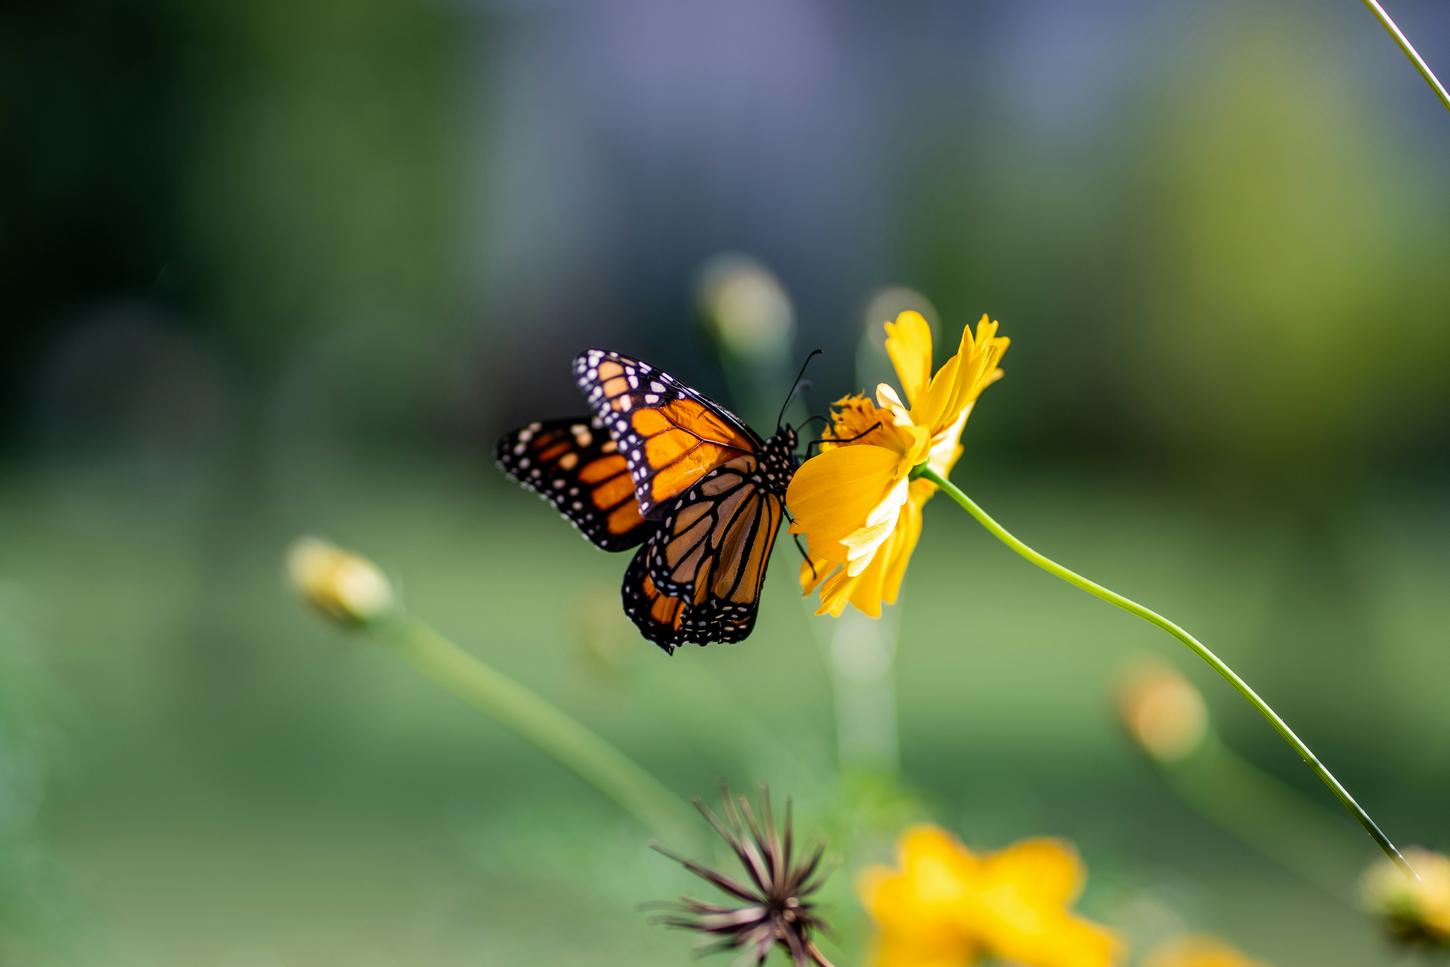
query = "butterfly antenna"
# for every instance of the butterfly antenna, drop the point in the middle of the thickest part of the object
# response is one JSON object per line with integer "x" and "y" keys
{"x": 795, "y": 386}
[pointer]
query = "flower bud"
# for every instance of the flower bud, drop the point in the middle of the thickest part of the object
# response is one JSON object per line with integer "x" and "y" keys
{"x": 347, "y": 588}
{"x": 1412, "y": 911}
{"x": 745, "y": 308}
{"x": 1162, "y": 712}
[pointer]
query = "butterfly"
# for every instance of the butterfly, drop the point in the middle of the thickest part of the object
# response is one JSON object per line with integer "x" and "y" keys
{"x": 664, "y": 468}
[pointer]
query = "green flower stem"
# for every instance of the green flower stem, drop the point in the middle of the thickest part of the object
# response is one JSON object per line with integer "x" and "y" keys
{"x": 536, "y": 720}
{"x": 859, "y": 657}
{"x": 1262, "y": 811}
{"x": 1409, "y": 50}
{"x": 1196, "y": 646}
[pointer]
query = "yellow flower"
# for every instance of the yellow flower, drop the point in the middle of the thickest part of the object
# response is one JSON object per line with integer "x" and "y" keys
{"x": 1415, "y": 911}
{"x": 344, "y": 586}
{"x": 945, "y": 906}
{"x": 1198, "y": 952}
{"x": 856, "y": 502}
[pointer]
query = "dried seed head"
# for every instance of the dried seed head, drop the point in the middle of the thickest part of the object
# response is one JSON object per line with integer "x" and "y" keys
{"x": 772, "y": 907}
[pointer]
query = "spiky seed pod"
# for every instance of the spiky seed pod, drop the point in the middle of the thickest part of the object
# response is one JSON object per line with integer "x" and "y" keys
{"x": 773, "y": 907}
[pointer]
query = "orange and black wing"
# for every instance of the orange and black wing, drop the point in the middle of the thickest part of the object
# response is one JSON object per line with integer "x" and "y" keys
{"x": 671, "y": 435}
{"x": 698, "y": 577}
{"x": 659, "y": 616}
{"x": 576, "y": 466}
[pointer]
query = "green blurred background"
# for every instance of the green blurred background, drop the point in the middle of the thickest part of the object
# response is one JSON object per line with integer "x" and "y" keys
{"x": 278, "y": 268}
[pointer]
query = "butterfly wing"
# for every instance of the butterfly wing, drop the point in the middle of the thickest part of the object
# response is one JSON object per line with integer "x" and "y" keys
{"x": 660, "y": 617}
{"x": 575, "y": 465}
{"x": 698, "y": 577}
{"x": 670, "y": 435}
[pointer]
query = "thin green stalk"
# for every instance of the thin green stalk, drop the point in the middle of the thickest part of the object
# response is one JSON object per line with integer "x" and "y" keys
{"x": 1260, "y": 810}
{"x": 536, "y": 720}
{"x": 860, "y": 656}
{"x": 1409, "y": 50}
{"x": 1198, "y": 648}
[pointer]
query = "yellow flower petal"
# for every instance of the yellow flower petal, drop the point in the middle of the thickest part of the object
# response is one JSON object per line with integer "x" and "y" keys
{"x": 1043, "y": 871}
{"x": 1056, "y": 941}
{"x": 980, "y": 357}
{"x": 833, "y": 494}
{"x": 908, "y": 532}
{"x": 946, "y": 447}
{"x": 836, "y": 594}
{"x": 879, "y": 581}
{"x": 908, "y": 343}
{"x": 913, "y": 905}
{"x": 867, "y": 585}
{"x": 962, "y": 377}
{"x": 887, "y": 399}
{"x": 925, "y": 889}
{"x": 932, "y": 408}
{"x": 862, "y": 544}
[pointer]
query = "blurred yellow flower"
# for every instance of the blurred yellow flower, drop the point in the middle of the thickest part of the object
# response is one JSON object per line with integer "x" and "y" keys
{"x": 1198, "y": 952}
{"x": 945, "y": 906}
{"x": 344, "y": 586}
{"x": 855, "y": 502}
{"x": 1415, "y": 911}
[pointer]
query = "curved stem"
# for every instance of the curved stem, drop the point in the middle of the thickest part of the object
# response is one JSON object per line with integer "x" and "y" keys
{"x": 1409, "y": 50}
{"x": 546, "y": 726}
{"x": 1262, "y": 811}
{"x": 1196, "y": 646}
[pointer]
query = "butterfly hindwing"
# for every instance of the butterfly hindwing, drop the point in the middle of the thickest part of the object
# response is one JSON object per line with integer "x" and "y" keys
{"x": 698, "y": 578}
{"x": 576, "y": 465}
{"x": 671, "y": 435}
{"x": 660, "y": 617}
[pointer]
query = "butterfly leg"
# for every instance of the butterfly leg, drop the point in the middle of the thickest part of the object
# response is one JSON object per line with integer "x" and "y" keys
{"x": 809, "y": 563}
{"x": 799, "y": 546}
{"x": 864, "y": 433}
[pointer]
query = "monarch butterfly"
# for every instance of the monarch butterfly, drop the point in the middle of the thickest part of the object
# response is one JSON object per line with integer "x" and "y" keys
{"x": 662, "y": 465}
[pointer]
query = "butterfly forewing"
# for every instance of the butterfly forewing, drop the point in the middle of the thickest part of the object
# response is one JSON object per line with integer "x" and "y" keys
{"x": 671, "y": 435}
{"x": 576, "y": 465}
